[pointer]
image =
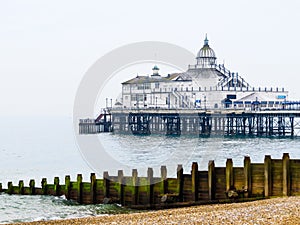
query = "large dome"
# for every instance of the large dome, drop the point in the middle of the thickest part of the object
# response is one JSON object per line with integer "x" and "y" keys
{"x": 206, "y": 55}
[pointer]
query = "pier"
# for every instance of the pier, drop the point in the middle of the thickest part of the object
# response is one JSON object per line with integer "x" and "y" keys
{"x": 225, "y": 122}
{"x": 273, "y": 177}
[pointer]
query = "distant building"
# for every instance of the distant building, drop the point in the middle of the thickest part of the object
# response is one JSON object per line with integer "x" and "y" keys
{"x": 205, "y": 85}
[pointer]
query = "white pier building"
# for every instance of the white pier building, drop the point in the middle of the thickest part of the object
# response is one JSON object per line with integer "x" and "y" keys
{"x": 205, "y": 85}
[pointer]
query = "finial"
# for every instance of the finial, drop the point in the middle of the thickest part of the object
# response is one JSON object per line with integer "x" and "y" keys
{"x": 206, "y": 40}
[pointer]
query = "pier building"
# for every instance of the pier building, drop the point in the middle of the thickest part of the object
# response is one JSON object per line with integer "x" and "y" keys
{"x": 207, "y": 99}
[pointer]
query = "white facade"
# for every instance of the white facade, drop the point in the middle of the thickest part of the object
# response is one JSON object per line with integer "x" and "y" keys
{"x": 204, "y": 85}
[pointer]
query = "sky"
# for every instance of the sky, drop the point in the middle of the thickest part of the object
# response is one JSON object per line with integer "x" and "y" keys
{"x": 46, "y": 47}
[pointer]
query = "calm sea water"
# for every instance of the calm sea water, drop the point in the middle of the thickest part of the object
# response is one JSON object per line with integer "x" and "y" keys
{"x": 33, "y": 148}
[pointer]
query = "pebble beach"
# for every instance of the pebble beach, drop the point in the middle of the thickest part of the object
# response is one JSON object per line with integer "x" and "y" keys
{"x": 285, "y": 210}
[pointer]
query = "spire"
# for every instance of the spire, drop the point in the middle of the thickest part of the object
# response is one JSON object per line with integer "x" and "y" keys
{"x": 206, "y": 40}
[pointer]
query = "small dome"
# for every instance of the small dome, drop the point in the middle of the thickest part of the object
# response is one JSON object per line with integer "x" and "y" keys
{"x": 206, "y": 57}
{"x": 206, "y": 51}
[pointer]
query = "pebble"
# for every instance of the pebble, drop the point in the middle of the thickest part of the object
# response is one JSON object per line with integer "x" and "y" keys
{"x": 285, "y": 210}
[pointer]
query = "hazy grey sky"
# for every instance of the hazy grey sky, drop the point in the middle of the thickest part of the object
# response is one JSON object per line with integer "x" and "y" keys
{"x": 47, "y": 46}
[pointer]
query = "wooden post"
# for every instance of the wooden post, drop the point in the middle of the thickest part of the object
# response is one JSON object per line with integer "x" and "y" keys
{"x": 268, "y": 176}
{"x": 10, "y": 188}
{"x": 67, "y": 186}
{"x": 121, "y": 187}
{"x": 180, "y": 182}
{"x": 106, "y": 184}
{"x": 286, "y": 174}
{"x": 21, "y": 187}
{"x": 163, "y": 175}
{"x": 0, "y": 187}
{"x": 229, "y": 175}
{"x": 211, "y": 180}
{"x": 56, "y": 186}
{"x": 79, "y": 188}
{"x": 134, "y": 187}
{"x": 150, "y": 187}
{"x": 195, "y": 181}
{"x": 44, "y": 186}
{"x": 247, "y": 175}
{"x": 32, "y": 187}
{"x": 93, "y": 188}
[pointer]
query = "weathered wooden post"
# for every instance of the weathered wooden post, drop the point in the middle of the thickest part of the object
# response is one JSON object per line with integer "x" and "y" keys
{"x": 0, "y": 187}
{"x": 211, "y": 180}
{"x": 121, "y": 186}
{"x": 195, "y": 182}
{"x": 67, "y": 186}
{"x": 180, "y": 182}
{"x": 93, "y": 188}
{"x": 229, "y": 175}
{"x": 286, "y": 174}
{"x": 247, "y": 175}
{"x": 56, "y": 186}
{"x": 10, "y": 188}
{"x": 163, "y": 175}
{"x": 150, "y": 187}
{"x": 32, "y": 187}
{"x": 134, "y": 186}
{"x": 21, "y": 187}
{"x": 79, "y": 188}
{"x": 268, "y": 176}
{"x": 44, "y": 186}
{"x": 106, "y": 182}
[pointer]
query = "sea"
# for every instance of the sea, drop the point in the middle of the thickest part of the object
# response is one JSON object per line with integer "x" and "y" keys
{"x": 38, "y": 147}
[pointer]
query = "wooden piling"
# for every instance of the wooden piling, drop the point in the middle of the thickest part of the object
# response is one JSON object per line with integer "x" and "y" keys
{"x": 134, "y": 187}
{"x": 0, "y": 187}
{"x": 211, "y": 180}
{"x": 180, "y": 182}
{"x": 21, "y": 187}
{"x": 106, "y": 184}
{"x": 268, "y": 176}
{"x": 67, "y": 186}
{"x": 163, "y": 177}
{"x": 195, "y": 182}
{"x": 32, "y": 187}
{"x": 56, "y": 186}
{"x": 150, "y": 187}
{"x": 10, "y": 188}
{"x": 121, "y": 186}
{"x": 79, "y": 188}
{"x": 247, "y": 176}
{"x": 93, "y": 188}
{"x": 44, "y": 186}
{"x": 229, "y": 175}
{"x": 286, "y": 174}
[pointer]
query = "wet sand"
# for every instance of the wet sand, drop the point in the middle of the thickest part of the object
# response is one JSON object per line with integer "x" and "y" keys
{"x": 284, "y": 210}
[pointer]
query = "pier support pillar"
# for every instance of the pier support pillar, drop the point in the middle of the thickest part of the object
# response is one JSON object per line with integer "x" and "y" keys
{"x": 268, "y": 176}
{"x": 286, "y": 174}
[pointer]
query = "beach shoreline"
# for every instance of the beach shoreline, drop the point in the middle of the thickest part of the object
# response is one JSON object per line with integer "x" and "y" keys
{"x": 283, "y": 210}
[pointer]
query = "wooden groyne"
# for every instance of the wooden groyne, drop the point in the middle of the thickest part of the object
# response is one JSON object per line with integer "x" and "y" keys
{"x": 273, "y": 177}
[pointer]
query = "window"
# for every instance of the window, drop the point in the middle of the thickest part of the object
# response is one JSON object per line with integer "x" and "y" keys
{"x": 147, "y": 85}
{"x": 156, "y": 85}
